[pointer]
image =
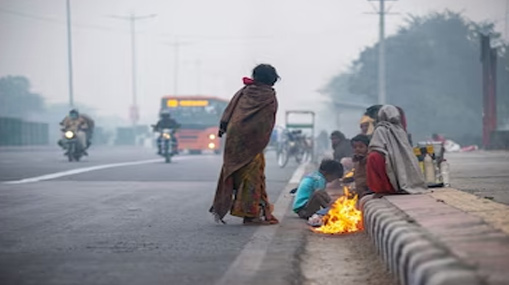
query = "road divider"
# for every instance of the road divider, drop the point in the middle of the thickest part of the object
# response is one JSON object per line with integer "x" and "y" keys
{"x": 444, "y": 237}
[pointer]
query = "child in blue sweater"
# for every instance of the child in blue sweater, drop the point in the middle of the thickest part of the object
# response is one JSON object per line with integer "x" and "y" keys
{"x": 311, "y": 196}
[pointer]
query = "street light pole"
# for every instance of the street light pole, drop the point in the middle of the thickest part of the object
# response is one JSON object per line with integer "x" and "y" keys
{"x": 176, "y": 68}
{"x": 132, "y": 21}
{"x": 381, "y": 56}
{"x": 133, "y": 58}
{"x": 69, "y": 54}
{"x": 176, "y": 60}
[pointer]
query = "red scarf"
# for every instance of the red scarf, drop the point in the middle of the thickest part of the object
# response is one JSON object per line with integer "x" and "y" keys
{"x": 247, "y": 81}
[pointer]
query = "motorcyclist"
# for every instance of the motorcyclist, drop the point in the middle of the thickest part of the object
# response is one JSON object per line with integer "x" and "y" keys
{"x": 166, "y": 122}
{"x": 76, "y": 123}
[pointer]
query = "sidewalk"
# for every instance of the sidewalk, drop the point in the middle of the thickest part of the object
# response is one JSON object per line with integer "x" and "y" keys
{"x": 444, "y": 237}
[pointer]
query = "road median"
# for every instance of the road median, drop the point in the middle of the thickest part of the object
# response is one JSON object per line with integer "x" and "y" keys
{"x": 444, "y": 237}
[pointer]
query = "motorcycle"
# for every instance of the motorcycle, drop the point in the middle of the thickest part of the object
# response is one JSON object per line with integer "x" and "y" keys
{"x": 72, "y": 145}
{"x": 294, "y": 144}
{"x": 167, "y": 144}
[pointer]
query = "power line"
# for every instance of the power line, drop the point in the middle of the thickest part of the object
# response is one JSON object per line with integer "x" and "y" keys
{"x": 164, "y": 36}
{"x": 59, "y": 22}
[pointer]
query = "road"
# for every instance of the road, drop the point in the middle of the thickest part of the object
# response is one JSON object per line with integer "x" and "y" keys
{"x": 139, "y": 224}
{"x": 482, "y": 173}
{"x": 148, "y": 223}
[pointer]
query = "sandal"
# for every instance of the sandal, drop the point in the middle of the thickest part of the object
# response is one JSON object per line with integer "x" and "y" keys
{"x": 258, "y": 222}
{"x": 272, "y": 220}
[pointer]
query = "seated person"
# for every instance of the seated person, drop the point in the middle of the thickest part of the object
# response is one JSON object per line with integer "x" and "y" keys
{"x": 391, "y": 164}
{"x": 360, "y": 145}
{"x": 311, "y": 196}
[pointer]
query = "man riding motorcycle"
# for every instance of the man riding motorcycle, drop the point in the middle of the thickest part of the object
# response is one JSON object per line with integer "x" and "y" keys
{"x": 166, "y": 122}
{"x": 76, "y": 123}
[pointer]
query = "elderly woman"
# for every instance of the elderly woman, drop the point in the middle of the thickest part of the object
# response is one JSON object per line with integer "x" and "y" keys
{"x": 392, "y": 166}
{"x": 248, "y": 122}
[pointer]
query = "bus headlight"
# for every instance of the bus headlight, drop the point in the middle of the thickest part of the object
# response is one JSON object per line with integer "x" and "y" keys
{"x": 212, "y": 136}
{"x": 69, "y": 135}
{"x": 212, "y": 145}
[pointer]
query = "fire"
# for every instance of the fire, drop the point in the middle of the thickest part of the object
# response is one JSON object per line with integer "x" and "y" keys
{"x": 343, "y": 217}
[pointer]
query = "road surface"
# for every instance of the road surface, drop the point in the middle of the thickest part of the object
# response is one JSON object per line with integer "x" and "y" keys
{"x": 106, "y": 220}
{"x": 138, "y": 224}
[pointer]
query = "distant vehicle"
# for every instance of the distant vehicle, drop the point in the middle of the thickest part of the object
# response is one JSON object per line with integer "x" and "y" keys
{"x": 74, "y": 149}
{"x": 294, "y": 144}
{"x": 199, "y": 118}
{"x": 167, "y": 144}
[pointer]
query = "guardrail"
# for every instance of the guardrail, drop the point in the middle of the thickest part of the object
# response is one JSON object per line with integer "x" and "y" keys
{"x": 16, "y": 132}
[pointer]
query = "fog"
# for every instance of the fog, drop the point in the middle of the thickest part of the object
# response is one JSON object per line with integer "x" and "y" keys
{"x": 309, "y": 42}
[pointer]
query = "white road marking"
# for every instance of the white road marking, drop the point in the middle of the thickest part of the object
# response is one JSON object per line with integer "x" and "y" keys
{"x": 248, "y": 262}
{"x": 87, "y": 169}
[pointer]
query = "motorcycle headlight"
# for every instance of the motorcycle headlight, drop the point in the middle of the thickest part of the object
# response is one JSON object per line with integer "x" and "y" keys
{"x": 166, "y": 136}
{"x": 69, "y": 135}
{"x": 212, "y": 136}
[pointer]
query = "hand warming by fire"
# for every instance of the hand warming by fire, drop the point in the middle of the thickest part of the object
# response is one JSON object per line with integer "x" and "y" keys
{"x": 343, "y": 216}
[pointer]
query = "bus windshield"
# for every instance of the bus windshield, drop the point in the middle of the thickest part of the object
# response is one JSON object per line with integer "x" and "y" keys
{"x": 195, "y": 112}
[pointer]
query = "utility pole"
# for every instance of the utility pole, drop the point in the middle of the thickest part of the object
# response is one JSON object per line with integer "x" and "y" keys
{"x": 69, "y": 54}
{"x": 198, "y": 76}
{"x": 382, "y": 97}
{"x": 381, "y": 56}
{"x": 506, "y": 27}
{"x": 176, "y": 62}
{"x": 132, "y": 18}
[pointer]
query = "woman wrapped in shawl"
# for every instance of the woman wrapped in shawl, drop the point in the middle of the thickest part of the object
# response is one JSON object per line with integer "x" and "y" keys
{"x": 248, "y": 122}
{"x": 392, "y": 166}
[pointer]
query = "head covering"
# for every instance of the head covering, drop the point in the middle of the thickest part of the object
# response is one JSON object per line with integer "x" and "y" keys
{"x": 391, "y": 140}
{"x": 367, "y": 119}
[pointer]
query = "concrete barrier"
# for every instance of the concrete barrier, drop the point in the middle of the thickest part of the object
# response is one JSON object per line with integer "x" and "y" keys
{"x": 414, "y": 256}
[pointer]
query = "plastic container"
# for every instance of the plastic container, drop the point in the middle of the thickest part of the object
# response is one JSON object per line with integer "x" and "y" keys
{"x": 429, "y": 170}
{"x": 444, "y": 170}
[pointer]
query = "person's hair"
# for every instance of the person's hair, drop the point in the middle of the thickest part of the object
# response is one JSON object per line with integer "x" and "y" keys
{"x": 361, "y": 138}
{"x": 330, "y": 166}
{"x": 266, "y": 74}
{"x": 372, "y": 111}
{"x": 338, "y": 134}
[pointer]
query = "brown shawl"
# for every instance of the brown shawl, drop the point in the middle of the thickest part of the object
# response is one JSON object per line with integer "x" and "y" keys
{"x": 248, "y": 121}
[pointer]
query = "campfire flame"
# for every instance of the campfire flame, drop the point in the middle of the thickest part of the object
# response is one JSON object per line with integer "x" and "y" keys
{"x": 343, "y": 217}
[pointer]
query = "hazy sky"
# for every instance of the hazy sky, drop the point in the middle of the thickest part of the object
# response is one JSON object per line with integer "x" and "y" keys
{"x": 308, "y": 42}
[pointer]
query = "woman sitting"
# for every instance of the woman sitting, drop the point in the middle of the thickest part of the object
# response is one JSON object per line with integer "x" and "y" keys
{"x": 392, "y": 166}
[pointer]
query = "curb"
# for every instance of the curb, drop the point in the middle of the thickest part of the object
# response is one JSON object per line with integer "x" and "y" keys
{"x": 412, "y": 255}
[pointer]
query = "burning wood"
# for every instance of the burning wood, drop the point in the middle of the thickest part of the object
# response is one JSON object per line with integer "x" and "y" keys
{"x": 343, "y": 217}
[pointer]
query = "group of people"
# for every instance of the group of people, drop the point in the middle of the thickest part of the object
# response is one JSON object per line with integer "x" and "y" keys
{"x": 382, "y": 155}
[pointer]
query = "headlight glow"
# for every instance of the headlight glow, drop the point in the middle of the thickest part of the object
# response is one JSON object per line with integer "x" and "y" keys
{"x": 212, "y": 145}
{"x": 69, "y": 134}
{"x": 212, "y": 136}
{"x": 166, "y": 136}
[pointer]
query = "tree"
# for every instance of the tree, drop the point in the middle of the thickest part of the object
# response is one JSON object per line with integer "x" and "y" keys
{"x": 16, "y": 99}
{"x": 433, "y": 72}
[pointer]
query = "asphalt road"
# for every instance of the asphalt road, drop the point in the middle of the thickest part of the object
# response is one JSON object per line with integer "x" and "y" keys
{"x": 485, "y": 174}
{"x": 148, "y": 223}
{"x": 139, "y": 224}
